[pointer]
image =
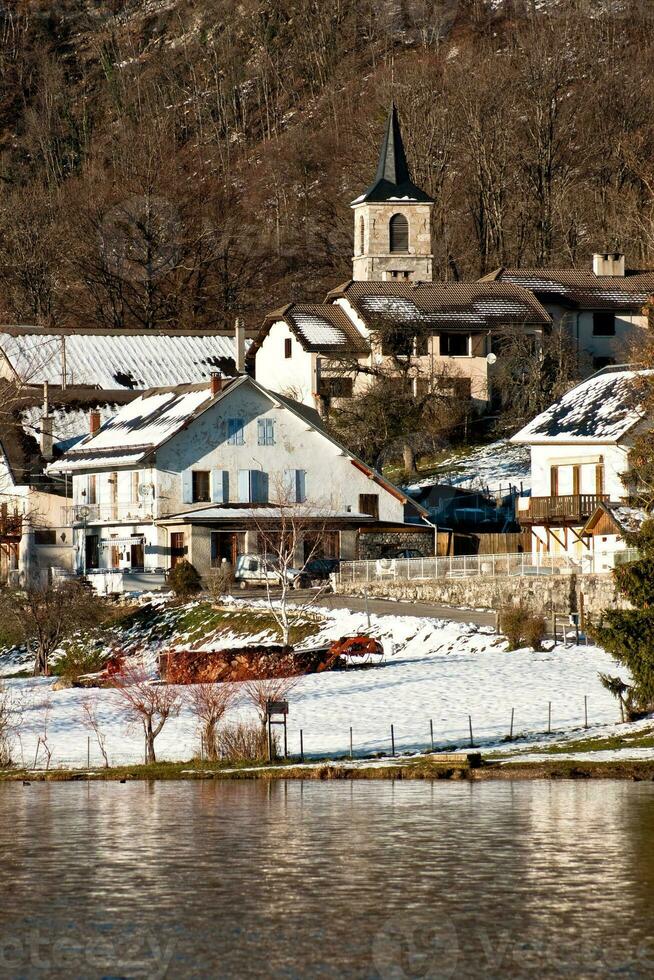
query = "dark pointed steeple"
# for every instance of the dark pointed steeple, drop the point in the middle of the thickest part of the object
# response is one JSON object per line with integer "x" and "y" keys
{"x": 392, "y": 180}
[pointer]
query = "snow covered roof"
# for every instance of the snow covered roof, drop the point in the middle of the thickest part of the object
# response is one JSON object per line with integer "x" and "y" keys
{"x": 319, "y": 328}
{"x": 600, "y": 409}
{"x": 444, "y": 306}
{"x": 628, "y": 520}
{"x": 124, "y": 359}
{"x": 581, "y": 287}
{"x": 137, "y": 429}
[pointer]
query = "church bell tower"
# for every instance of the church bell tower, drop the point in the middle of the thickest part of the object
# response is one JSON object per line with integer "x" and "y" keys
{"x": 392, "y": 219}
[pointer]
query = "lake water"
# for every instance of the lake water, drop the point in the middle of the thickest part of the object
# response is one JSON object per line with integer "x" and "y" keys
{"x": 390, "y": 880}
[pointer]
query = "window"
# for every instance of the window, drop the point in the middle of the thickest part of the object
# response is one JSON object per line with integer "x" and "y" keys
{"x": 603, "y": 323}
{"x": 400, "y": 273}
{"x": 92, "y": 491}
{"x": 362, "y": 236}
{"x": 369, "y": 504}
{"x": 336, "y": 387}
{"x": 422, "y": 345}
{"x": 113, "y": 486}
{"x": 135, "y": 484}
{"x": 288, "y": 348}
{"x": 201, "y": 492}
{"x": 45, "y": 536}
{"x": 253, "y": 486}
{"x": 266, "y": 432}
{"x": 235, "y": 434}
{"x": 454, "y": 344}
{"x": 295, "y": 486}
{"x": 399, "y": 233}
{"x": 554, "y": 481}
{"x": 397, "y": 342}
{"x": 576, "y": 480}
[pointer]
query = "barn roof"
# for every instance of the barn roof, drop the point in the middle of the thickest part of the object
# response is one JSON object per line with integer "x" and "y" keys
{"x": 125, "y": 359}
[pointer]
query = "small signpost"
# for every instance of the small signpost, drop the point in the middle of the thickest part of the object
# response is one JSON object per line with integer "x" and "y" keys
{"x": 276, "y": 708}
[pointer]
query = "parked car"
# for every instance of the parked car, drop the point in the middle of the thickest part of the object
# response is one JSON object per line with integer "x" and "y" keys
{"x": 259, "y": 570}
{"x": 321, "y": 568}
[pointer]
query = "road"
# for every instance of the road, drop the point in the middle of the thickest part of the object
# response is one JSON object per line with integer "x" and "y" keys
{"x": 389, "y": 607}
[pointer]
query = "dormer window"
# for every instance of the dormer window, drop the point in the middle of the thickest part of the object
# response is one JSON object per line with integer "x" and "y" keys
{"x": 399, "y": 233}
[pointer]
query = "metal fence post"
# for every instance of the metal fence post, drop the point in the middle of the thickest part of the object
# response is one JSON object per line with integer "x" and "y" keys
{"x": 392, "y": 740}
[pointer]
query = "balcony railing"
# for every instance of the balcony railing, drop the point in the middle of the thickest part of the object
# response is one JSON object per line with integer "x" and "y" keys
{"x": 97, "y": 513}
{"x": 572, "y": 509}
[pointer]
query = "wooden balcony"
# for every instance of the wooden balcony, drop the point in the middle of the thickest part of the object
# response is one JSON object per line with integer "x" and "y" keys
{"x": 573, "y": 509}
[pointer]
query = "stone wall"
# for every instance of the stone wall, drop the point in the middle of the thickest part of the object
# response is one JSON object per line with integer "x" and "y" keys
{"x": 543, "y": 594}
{"x": 373, "y": 544}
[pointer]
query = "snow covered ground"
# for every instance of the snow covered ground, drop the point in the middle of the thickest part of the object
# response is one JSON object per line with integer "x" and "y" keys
{"x": 495, "y": 467}
{"x": 433, "y": 670}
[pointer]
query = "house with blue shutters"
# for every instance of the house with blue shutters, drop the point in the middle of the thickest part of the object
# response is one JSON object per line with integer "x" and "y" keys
{"x": 201, "y": 471}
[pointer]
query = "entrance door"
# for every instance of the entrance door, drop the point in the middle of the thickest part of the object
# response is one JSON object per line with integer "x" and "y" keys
{"x": 177, "y": 548}
{"x": 137, "y": 557}
{"x": 92, "y": 546}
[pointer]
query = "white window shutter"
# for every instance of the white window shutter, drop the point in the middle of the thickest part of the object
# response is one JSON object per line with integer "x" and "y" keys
{"x": 244, "y": 495}
{"x": 288, "y": 484}
{"x": 219, "y": 486}
{"x": 187, "y": 487}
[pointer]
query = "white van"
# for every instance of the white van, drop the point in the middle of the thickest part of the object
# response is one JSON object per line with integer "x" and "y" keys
{"x": 257, "y": 570}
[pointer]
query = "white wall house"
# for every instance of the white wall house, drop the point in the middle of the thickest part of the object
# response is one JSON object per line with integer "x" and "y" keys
{"x": 317, "y": 353}
{"x": 579, "y": 461}
{"x": 604, "y": 308}
{"x": 194, "y": 471}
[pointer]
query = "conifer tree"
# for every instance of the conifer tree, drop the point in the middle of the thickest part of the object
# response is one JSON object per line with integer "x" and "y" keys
{"x": 629, "y": 633}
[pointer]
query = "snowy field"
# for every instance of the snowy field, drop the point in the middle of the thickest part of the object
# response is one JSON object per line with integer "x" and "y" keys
{"x": 494, "y": 467}
{"x": 432, "y": 670}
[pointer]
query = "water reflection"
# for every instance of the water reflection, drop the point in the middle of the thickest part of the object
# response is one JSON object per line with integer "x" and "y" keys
{"x": 327, "y": 879}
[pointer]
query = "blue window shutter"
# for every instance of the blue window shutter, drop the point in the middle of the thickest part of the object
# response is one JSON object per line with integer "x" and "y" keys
{"x": 261, "y": 432}
{"x": 300, "y": 486}
{"x": 244, "y": 486}
{"x": 270, "y": 432}
{"x": 220, "y": 486}
{"x": 259, "y": 487}
{"x": 187, "y": 487}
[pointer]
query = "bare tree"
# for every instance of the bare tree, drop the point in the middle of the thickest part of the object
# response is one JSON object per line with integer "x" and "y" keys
{"x": 148, "y": 702}
{"x": 290, "y": 535}
{"x": 260, "y": 691}
{"x": 209, "y": 702}
{"x": 7, "y": 726}
{"x": 42, "y": 618}
{"x": 91, "y": 720}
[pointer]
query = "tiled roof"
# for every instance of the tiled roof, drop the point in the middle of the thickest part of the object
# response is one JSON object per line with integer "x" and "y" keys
{"x": 601, "y": 409}
{"x": 124, "y": 359}
{"x": 319, "y": 328}
{"x": 445, "y": 305}
{"x": 581, "y": 287}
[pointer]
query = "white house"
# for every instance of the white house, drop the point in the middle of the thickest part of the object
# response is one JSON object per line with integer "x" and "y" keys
{"x": 604, "y": 308}
{"x": 579, "y": 464}
{"x": 195, "y": 470}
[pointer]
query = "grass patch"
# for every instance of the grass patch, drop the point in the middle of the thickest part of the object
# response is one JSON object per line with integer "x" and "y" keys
{"x": 609, "y": 743}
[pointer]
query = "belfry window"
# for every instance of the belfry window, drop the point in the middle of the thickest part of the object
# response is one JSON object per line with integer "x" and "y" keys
{"x": 399, "y": 233}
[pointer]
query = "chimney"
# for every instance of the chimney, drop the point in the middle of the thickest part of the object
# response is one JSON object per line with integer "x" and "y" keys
{"x": 94, "y": 421}
{"x": 609, "y": 264}
{"x": 216, "y": 384}
{"x": 46, "y": 426}
{"x": 239, "y": 336}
